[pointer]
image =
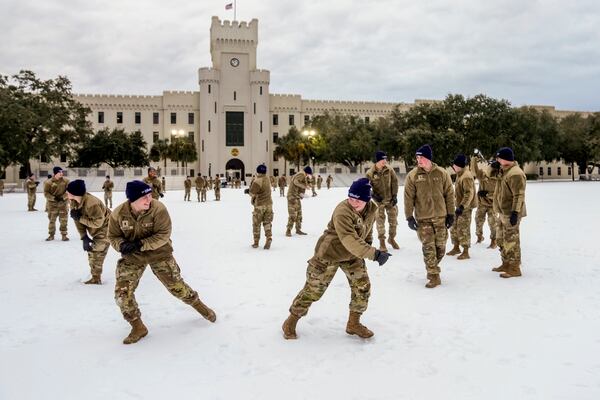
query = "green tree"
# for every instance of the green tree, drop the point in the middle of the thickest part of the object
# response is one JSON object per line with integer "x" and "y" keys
{"x": 182, "y": 150}
{"x": 39, "y": 118}
{"x": 574, "y": 142}
{"x": 160, "y": 151}
{"x": 115, "y": 148}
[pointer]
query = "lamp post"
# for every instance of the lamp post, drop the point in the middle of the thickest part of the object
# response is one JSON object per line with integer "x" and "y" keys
{"x": 310, "y": 134}
{"x": 178, "y": 134}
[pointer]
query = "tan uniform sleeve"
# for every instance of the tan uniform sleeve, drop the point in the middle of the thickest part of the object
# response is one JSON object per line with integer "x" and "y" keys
{"x": 350, "y": 239}
{"x": 162, "y": 231}
{"x": 47, "y": 193}
{"x": 394, "y": 182}
{"x": 115, "y": 234}
{"x": 478, "y": 172}
{"x": 468, "y": 193}
{"x": 297, "y": 181}
{"x": 409, "y": 197}
{"x": 517, "y": 186}
{"x": 81, "y": 229}
{"x": 449, "y": 194}
{"x": 94, "y": 217}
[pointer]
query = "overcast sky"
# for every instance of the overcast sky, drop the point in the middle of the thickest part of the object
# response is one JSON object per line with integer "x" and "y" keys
{"x": 525, "y": 51}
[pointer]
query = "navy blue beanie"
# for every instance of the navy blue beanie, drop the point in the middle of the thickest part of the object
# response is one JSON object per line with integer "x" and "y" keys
{"x": 360, "y": 189}
{"x": 56, "y": 170}
{"x": 76, "y": 187}
{"x": 380, "y": 155}
{"x": 308, "y": 170}
{"x": 425, "y": 151}
{"x": 261, "y": 169}
{"x": 506, "y": 153}
{"x": 136, "y": 189}
{"x": 460, "y": 160}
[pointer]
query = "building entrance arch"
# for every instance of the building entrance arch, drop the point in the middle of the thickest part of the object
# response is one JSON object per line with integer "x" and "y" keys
{"x": 235, "y": 169}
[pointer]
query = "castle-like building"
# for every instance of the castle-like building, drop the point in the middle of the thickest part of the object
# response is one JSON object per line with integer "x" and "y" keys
{"x": 234, "y": 119}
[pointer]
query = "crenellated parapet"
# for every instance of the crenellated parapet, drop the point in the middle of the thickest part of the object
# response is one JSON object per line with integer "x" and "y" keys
{"x": 234, "y": 30}
{"x": 119, "y": 102}
{"x": 208, "y": 75}
{"x": 260, "y": 77}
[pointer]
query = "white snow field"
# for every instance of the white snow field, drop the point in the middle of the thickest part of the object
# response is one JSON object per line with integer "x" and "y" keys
{"x": 475, "y": 337}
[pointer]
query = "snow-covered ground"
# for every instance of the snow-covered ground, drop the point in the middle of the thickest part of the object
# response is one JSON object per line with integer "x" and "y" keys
{"x": 475, "y": 337}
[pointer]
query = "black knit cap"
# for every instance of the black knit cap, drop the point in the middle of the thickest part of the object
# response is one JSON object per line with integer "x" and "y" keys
{"x": 460, "y": 160}
{"x": 76, "y": 187}
{"x": 506, "y": 153}
{"x": 136, "y": 189}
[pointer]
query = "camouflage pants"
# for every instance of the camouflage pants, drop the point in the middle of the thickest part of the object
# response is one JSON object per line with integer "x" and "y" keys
{"x": 30, "y": 201}
{"x": 108, "y": 199}
{"x": 392, "y": 215}
{"x": 128, "y": 277}
{"x": 187, "y": 195}
{"x": 203, "y": 195}
{"x": 318, "y": 277}
{"x": 509, "y": 240}
{"x": 318, "y": 186}
{"x": 264, "y": 215}
{"x": 480, "y": 215}
{"x": 198, "y": 193}
{"x": 460, "y": 232}
{"x": 57, "y": 210}
{"x": 328, "y": 185}
{"x": 314, "y": 193}
{"x": 433, "y": 235}
{"x": 294, "y": 214}
{"x": 217, "y": 194}
{"x": 97, "y": 255}
{"x": 281, "y": 191}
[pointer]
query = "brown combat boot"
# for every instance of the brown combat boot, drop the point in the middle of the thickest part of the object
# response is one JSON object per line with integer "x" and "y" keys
{"x": 255, "y": 244}
{"x": 49, "y": 238}
{"x": 434, "y": 280}
{"x": 479, "y": 238}
{"x": 501, "y": 268}
{"x": 288, "y": 233}
{"x": 512, "y": 270}
{"x": 138, "y": 331}
{"x": 299, "y": 232}
{"x": 206, "y": 312}
{"x": 464, "y": 255}
{"x": 493, "y": 244}
{"x": 268, "y": 244}
{"x": 95, "y": 280}
{"x": 393, "y": 243}
{"x": 455, "y": 250}
{"x": 289, "y": 327}
{"x": 64, "y": 238}
{"x": 382, "y": 245}
{"x": 354, "y": 327}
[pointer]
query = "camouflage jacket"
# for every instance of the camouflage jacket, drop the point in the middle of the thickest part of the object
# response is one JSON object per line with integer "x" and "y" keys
{"x": 217, "y": 184}
{"x": 384, "y": 182}
{"x": 260, "y": 190}
{"x": 200, "y": 183}
{"x": 348, "y": 235}
{"x": 487, "y": 178}
{"x": 152, "y": 227}
{"x": 54, "y": 188}
{"x": 156, "y": 186}
{"x": 510, "y": 192}
{"x": 464, "y": 190}
{"x": 187, "y": 184}
{"x": 108, "y": 186}
{"x": 282, "y": 181}
{"x": 320, "y": 180}
{"x": 31, "y": 186}
{"x": 94, "y": 217}
{"x": 298, "y": 186}
{"x": 428, "y": 194}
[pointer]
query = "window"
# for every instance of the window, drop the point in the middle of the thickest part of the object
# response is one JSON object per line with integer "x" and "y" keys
{"x": 174, "y": 118}
{"x": 254, "y": 108}
{"x": 209, "y": 88}
{"x": 541, "y": 171}
{"x": 266, "y": 146}
{"x": 559, "y": 171}
{"x": 63, "y": 157}
{"x": 155, "y": 118}
{"x": 215, "y": 107}
{"x": 190, "y": 118}
{"x": 100, "y": 117}
{"x": 367, "y": 120}
{"x": 119, "y": 117}
{"x": 260, "y": 90}
{"x": 569, "y": 170}
{"x": 549, "y": 171}
{"x": 138, "y": 117}
{"x": 191, "y": 136}
{"x": 260, "y": 126}
{"x": 44, "y": 158}
{"x": 275, "y": 137}
{"x": 276, "y": 172}
{"x": 275, "y": 157}
{"x": 203, "y": 145}
{"x": 209, "y": 125}
{"x": 154, "y": 137}
{"x": 292, "y": 172}
{"x": 234, "y": 128}
{"x": 291, "y": 119}
{"x": 306, "y": 119}
{"x": 275, "y": 119}
{"x": 137, "y": 172}
{"x": 234, "y": 95}
{"x": 119, "y": 172}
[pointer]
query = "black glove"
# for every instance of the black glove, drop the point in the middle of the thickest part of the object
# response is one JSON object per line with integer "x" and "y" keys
{"x": 495, "y": 165}
{"x": 394, "y": 200}
{"x": 37, "y": 183}
{"x": 75, "y": 213}
{"x": 161, "y": 194}
{"x": 130, "y": 247}
{"x": 376, "y": 197}
{"x": 412, "y": 223}
{"x": 482, "y": 193}
{"x": 247, "y": 191}
{"x": 381, "y": 257}
{"x": 449, "y": 220}
{"x": 87, "y": 242}
{"x": 459, "y": 210}
{"x": 514, "y": 218}
{"x": 58, "y": 198}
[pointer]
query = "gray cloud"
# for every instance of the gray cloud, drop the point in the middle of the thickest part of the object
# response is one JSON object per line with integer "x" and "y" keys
{"x": 533, "y": 52}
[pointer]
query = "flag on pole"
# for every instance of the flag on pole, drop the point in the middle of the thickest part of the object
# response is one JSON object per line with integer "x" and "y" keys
{"x": 229, "y": 6}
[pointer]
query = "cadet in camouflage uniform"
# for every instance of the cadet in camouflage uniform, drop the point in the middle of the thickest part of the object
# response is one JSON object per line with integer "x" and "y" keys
{"x": 329, "y": 181}
{"x": 155, "y": 183}
{"x": 273, "y": 182}
{"x": 164, "y": 184}
{"x": 385, "y": 194}
{"x": 260, "y": 192}
{"x": 56, "y": 203}
{"x": 319, "y": 182}
{"x": 298, "y": 185}
{"x": 91, "y": 217}
{"x": 209, "y": 182}
{"x": 345, "y": 244}
{"x": 509, "y": 199}
{"x": 465, "y": 200}
{"x": 31, "y": 186}
{"x": 1, "y": 187}
{"x": 487, "y": 178}
{"x": 140, "y": 229}
{"x": 108, "y": 186}
{"x": 199, "y": 183}
{"x": 187, "y": 186}
{"x": 282, "y": 184}
{"x": 203, "y": 189}
{"x": 313, "y": 183}
{"x": 217, "y": 186}
{"x": 429, "y": 210}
